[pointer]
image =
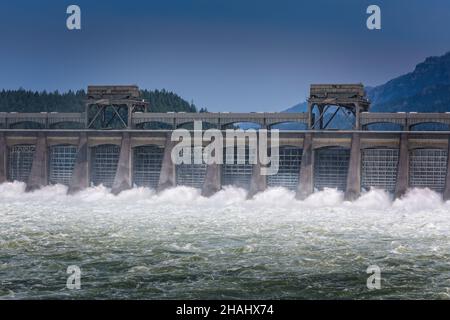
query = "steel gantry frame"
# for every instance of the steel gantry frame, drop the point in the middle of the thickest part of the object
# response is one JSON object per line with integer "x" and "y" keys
{"x": 111, "y": 107}
{"x": 348, "y": 98}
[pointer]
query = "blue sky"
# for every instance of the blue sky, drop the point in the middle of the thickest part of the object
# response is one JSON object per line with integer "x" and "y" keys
{"x": 226, "y": 55}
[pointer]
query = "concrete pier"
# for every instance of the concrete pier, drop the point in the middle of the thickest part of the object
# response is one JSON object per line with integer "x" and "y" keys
{"x": 39, "y": 170}
{"x": 122, "y": 180}
{"x": 446, "y": 195}
{"x": 167, "y": 178}
{"x": 306, "y": 181}
{"x": 80, "y": 175}
{"x": 403, "y": 167}
{"x": 3, "y": 158}
{"x": 258, "y": 182}
{"x": 354, "y": 171}
{"x": 213, "y": 179}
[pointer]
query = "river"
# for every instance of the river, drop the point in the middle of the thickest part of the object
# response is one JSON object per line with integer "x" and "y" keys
{"x": 179, "y": 245}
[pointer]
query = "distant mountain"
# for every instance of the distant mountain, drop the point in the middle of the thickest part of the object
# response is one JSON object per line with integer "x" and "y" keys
{"x": 426, "y": 89}
{"x": 300, "y": 107}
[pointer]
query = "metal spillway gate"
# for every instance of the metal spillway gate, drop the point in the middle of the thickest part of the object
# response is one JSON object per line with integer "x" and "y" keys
{"x": 105, "y": 160}
{"x": 379, "y": 168}
{"x": 331, "y": 168}
{"x": 428, "y": 168}
{"x": 147, "y": 161}
{"x": 237, "y": 174}
{"x": 191, "y": 175}
{"x": 20, "y": 161}
{"x": 61, "y": 163}
{"x": 289, "y": 168}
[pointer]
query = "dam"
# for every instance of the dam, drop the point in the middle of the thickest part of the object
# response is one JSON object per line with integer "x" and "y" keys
{"x": 118, "y": 143}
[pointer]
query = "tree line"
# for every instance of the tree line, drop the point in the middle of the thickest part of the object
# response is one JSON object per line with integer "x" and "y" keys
{"x": 22, "y": 100}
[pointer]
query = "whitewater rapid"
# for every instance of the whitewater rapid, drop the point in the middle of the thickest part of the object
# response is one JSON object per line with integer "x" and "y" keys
{"x": 178, "y": 244}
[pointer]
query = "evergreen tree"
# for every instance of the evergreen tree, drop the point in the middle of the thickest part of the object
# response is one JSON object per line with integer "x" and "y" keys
{"x": 22, "y": 100}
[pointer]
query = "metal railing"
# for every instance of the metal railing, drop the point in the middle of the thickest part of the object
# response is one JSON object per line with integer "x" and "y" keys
{"x": 51, "y": 120}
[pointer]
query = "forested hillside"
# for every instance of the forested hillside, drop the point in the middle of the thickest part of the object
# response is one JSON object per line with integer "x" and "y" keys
{"x": 30, "y": 101}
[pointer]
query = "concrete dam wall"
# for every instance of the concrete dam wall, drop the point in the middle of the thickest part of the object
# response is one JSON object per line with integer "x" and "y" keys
{"x": 350, "y": 161}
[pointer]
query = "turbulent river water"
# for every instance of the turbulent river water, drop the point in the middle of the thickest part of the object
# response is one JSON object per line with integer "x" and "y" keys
{"x": 179, "y": 245}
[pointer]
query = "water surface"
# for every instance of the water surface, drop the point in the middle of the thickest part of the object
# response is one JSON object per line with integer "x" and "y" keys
{"x": 179, "y": 245}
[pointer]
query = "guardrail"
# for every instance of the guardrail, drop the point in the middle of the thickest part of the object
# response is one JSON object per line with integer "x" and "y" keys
{"x": 406, "y": 120}
{"x": 42, "y": 119}
{"x": 266, "y": 119}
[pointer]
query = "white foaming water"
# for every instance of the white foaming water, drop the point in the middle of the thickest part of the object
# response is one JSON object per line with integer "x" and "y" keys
{"x": 178, "y": 244}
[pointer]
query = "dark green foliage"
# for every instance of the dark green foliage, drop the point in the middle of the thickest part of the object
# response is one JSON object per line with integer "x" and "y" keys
{"x": 163, "y": 101}
{"x": 29, "y": 101}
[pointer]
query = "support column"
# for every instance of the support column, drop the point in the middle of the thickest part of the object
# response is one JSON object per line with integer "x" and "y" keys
{"x": 357, "y": 117}
{"x": 310, "y": 115}
{"x": 321, "y": 116}
{"x": 122, "y": 180}
{"x": 213, "y": 179}
{"x": 80, "y": 174}
{"x": 167, "y": 175}
{"x": 407, "y": 126}
{"x": 258, "y": 182}
{"x": 3, "y": 158}
{"x": 306, "y": 181}
{"x": 403, "y": 167}
{"x": 354, "y": 171}
{"x": 39, "y": 169}
{"x": 130, "y": 114}
{"x": 86, "y": 116}
{"x": 446, "y": 195}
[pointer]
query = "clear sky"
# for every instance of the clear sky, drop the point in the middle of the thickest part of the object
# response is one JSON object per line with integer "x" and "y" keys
{"x": 226, "y": 55}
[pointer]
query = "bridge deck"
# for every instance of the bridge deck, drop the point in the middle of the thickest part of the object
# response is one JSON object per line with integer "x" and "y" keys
{"x": 264, "y": 119}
